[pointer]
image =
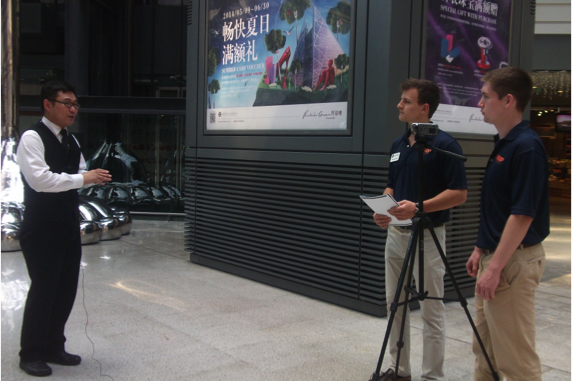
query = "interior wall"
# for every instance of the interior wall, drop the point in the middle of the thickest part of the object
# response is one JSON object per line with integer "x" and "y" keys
{"x": 552, "y": 52}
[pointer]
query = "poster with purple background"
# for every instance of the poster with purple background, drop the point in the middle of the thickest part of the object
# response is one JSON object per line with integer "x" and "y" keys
{"x": 465, "y": 40}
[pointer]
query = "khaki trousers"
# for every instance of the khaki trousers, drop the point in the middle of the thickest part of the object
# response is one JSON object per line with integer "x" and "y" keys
{"x": 432, "y": 311}
{"x": 506, "y": 324}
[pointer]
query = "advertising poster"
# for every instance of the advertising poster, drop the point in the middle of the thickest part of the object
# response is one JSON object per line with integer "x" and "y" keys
{"x": 465, "y": 40}
{"x": 278, "y": 64}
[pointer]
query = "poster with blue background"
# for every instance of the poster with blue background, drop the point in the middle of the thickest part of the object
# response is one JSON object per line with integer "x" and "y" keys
{"x": 465, "y": 39}
{"x": 278, "y": 64}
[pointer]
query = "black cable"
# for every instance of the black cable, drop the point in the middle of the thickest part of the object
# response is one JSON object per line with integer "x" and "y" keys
{"x": 86, "y": 334}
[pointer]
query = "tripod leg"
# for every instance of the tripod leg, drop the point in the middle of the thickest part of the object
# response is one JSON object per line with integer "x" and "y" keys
{"x": 463, "y": 302}
{"x": 409, "y": 255}
{"x": 413, "y": 239}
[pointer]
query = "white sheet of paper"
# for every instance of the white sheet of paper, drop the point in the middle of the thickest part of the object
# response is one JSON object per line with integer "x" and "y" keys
{"x": 381, "y": 204}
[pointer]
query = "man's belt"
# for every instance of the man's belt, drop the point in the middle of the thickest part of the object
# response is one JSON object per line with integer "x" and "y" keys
{"x": 522, "y": 246}
{"x": 410, "y": 227}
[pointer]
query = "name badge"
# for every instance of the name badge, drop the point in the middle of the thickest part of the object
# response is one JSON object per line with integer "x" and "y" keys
{"x": 394, "y": 157}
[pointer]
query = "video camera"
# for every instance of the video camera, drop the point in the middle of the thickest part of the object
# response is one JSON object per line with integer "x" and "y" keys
{"x": 424, "y": 132}
{"x": 425, "y": 129}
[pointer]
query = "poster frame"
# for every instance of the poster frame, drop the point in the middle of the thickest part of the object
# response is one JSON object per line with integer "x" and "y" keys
{"x": 485, "y": 128}
{"x": 203, "y": 83}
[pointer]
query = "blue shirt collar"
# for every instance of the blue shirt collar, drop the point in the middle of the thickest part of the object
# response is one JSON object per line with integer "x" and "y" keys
{"x": 523, "y": 126}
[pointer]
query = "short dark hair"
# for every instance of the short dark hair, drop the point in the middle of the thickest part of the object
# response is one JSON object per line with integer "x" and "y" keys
{"x": 51, "y": 89}
{"x": 511, "y": 80}
{"x": 428, "y": 92}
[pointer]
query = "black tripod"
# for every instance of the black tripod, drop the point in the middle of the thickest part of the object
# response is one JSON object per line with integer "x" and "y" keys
{"x": 420, "y": 222}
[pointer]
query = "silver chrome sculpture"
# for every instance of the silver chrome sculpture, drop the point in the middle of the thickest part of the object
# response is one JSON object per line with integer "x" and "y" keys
{"x": 98, "y": 223}
{"x": 110, "y": 227}
{"x": 134, "y": 194}
{"x": 12, "y": 185}
{"x": 131, "y": 184}
{"x": 10, "y": 238}
{"x": 113, "y": 224}
{"x": 90, "y": 232}
{"x": 104, "y": 210}
{"x": 124, "y": 217}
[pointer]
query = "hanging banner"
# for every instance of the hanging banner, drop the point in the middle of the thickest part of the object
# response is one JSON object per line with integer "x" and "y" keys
{"x": 278, "y": 64}
{"x": 465, "y": 40}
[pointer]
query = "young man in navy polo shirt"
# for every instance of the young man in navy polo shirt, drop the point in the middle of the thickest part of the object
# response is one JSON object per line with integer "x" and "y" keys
{"x": 445, "y": 186}
{"x": 508, "y": 259}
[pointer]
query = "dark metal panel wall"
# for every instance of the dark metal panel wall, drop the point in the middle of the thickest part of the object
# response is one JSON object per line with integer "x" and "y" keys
{"x": 373, "y": 240}
{"x": 300, "y": 224}
{"x": 462, "y": 233}
{"x": 295, "y": 221}
{"x": 190, "y": 184}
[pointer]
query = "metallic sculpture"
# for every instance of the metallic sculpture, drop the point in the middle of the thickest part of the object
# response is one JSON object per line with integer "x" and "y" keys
{"x": 131, "y": 184}
{"x": 118, "y": 160}
{"x": 134, "y": 194}
{"x": 104, "y": 211}
{"x": 110, "y": 226}
{"x": 98, "y": 222}
{"x": 90, "y": 232}
{"x": 10, "y": 237}
{"x": 124, "y": 217}
{"x": 12, "y": 213}
{"x": 12, "y": 185}
{"x": 116, "y": 194}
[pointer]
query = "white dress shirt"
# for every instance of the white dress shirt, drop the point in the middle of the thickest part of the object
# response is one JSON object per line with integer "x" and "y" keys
{"x": 30, "y": 157}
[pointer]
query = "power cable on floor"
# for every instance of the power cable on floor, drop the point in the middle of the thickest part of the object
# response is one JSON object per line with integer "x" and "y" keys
{"x": 86, "y": 334}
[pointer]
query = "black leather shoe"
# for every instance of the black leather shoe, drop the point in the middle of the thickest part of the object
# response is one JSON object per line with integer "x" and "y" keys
{"x": 62, "y": 358}
{"x": 36, "y": 368}
{"x": 390, "y": 376}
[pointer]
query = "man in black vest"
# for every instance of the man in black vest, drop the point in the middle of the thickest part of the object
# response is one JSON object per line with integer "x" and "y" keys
{"x": 53, "y": 169}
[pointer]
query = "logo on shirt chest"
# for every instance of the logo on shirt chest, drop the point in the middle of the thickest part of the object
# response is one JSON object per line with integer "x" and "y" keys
{"x": 427, "y": 151}
{"x": 394, "y": 157}
{"x": 499, "y": 159}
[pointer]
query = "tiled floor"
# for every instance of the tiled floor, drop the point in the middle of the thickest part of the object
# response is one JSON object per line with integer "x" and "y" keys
{"x": 144, "y": 312}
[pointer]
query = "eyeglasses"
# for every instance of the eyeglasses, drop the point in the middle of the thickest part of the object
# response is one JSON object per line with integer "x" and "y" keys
{"x": 68, "y": 104}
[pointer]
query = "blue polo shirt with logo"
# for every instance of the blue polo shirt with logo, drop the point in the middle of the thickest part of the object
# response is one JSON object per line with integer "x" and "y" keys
{"x": 515, "y": 182}
{"x": 440, "y": 171}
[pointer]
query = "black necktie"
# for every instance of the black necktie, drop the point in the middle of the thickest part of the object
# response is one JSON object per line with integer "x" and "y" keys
{"x": 64, "y": 134}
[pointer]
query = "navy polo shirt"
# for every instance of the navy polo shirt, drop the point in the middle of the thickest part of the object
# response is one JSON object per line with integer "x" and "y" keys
{"x": 440, "y": 171}
{"x": 515, "y": 182}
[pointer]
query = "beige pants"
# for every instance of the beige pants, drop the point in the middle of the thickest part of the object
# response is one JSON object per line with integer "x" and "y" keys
{"x": 506, "y": 324}
{"x": 432, "y": 311}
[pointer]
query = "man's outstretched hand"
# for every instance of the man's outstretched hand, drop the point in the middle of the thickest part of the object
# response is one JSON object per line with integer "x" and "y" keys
{"x": 96, "y": 176}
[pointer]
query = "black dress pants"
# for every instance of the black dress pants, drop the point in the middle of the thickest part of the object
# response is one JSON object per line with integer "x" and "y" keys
{"x": 52, "y": 251}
